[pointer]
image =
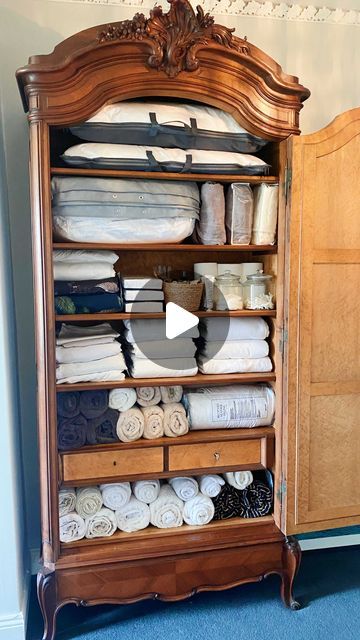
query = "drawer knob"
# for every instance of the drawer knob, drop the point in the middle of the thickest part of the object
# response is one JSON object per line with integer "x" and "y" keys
{"x": 217, "y": 456}
{"x": 114, "y": 463}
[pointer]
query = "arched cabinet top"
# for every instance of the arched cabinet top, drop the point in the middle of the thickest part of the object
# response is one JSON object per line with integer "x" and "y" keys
{"x": 181, "y": 54}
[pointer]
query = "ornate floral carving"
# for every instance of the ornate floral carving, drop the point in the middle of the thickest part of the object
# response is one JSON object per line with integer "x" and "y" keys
{"x": 174, "y": 36}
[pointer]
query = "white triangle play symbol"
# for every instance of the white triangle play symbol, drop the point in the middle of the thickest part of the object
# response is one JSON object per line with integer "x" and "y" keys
{"x": 178, "y": 320}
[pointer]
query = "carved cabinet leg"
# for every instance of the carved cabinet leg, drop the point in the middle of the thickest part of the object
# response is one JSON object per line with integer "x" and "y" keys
{"x": 291, "y": 557}
{"x": 46, "y": 590}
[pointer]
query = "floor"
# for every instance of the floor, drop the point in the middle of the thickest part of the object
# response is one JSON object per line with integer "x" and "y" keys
{"x": 328, "y": 587}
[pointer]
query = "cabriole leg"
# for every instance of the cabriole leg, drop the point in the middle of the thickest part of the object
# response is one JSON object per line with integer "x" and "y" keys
{"x": 46, "y": 590}
{"x": 291, "y": 557}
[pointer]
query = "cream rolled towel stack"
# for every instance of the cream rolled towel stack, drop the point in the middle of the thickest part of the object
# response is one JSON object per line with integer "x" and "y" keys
{"x": 199, "y": 510}
{"x": 130, "y": 425}
{"x": 88, "y": 501}
{"x": 146, "y": 490}
{"x": 154, "y": 422}
{"x": 148, "y": 396}
{"x": 171, "y": 394}
{"x": 167, "y": 510}
{"x": 134, "y": 516}
{"x": 239, "y": 479}
{"x": 210, "y": 485}
{"x": 71, "y": 527}
{"x": 67, "y": 501}
{"x": 103, "y": 523}
{"x": 175, "y": 420}
{"x": 115, "y": 495}
{"x": 122, "y": 399}
{"x": 184, "y": 487}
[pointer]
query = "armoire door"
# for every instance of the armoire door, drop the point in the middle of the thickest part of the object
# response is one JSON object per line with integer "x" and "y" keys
{"x": 321, "y": 445}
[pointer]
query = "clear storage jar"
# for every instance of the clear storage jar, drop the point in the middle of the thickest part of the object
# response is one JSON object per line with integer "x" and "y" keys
{"x": 228, "y": 292}
{"x": 256, "y": 292}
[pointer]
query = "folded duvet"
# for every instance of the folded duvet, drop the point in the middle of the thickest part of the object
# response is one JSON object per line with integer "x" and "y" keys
{"x": 221, "y": 329}
{"x": 83, "y": 271}
{"x": 112, "y": 363}
{"x": 67, "y": 355}
{"x": 72, "y": 335}
{"x": 234, "y": 365}
{"x": 177, "y": 348}
{"x": 105, "y": 376}
{"x": 235, "y": 349}
{"x": 170, "y": 368}
{"x": 140, "y": 330}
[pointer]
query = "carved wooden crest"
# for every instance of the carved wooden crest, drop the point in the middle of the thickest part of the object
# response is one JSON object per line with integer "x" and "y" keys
{"x": 175, "y": 36}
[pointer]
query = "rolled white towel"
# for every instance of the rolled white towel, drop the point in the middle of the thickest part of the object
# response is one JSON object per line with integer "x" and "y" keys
{"x": 146, "y": 490}
{"x": 239, "y": 479}
{"x": 135, "y": 515}
{"x": 71, "y": 527}
{"x": 171, "y": 394}
{"x": 116, "y": 495}
{"x": 199, "y": 510}
{"x": 122, "y": 399}
{"x": 88, "y": 501}
{"x": 154, "y": 422}
{"x": 101, "y": 524}
{"x": 175, "y": 420}
{"x": 130, "y": 425}
{"x": 148, "y": 396}
{"x": 210, "y": 485}
{"x": 185, "y": 488}
{"x": 167, "y": 510}
{"x": 67, "y": 501}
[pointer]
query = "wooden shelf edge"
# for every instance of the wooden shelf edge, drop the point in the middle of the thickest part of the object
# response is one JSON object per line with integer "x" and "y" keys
{"x": 99, "y": 317}
{"x": 232, "y": 248}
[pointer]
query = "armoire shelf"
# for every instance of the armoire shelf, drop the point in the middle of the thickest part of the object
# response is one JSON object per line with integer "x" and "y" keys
{"x": 99, "y": 317}
{"x": 246, "y": 248}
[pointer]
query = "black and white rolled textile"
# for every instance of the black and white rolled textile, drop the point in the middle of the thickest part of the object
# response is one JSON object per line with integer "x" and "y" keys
{"x": 255, "y": 500}
{"x": 227, "y": 503}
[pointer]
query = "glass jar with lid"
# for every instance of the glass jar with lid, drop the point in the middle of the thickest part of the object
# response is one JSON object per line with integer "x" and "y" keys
{"x": 228, "y": 292}
{"x": 256, "y": 291}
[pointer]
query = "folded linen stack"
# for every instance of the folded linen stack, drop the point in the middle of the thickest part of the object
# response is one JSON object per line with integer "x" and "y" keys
{"x": 86, "y": 354}
{"x": 152, "y": 355}
{"x": 143, "y": 294}
{"x": 85, "y": 282}
{"x": 234, "y": 345}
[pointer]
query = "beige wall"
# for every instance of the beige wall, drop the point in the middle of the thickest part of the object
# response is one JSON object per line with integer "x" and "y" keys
{"x": 325, "y": 57}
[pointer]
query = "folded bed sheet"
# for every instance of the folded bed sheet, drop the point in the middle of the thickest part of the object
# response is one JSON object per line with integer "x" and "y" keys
{"x": 169, "y": 368}
{"x": 234, "y": 365}
{"x": 221, "y": 329}
{"x": 235, "y": 349}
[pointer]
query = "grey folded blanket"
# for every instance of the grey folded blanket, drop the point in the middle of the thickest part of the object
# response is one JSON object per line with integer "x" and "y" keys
{"x": 72, "y": 432}
{"x": 94, "y": 403}
{"x": 102, "y": 430}
{"x": 68, "y": 404}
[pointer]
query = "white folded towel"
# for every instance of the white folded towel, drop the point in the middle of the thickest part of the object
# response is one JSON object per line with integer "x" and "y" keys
{"x": 88, "y": 501}
{"x": 175, "y": 420}
{"x": 155, "y": 349}
{"x": 122, "y": 399}
{"x": 77, "y": 335}
{"x": 239, "y": 479}
{"x": 135, "y": 282}
{"x": 236, "y": 365}
{"x": 143, "y": 295}
{"x": 139, "y": 330}
{"x": 148, "y": 396}
{"x": 219, "y": 329}
{"x": 115, "y": 495}
{"x": 171, "y": 394}
{"x": 101, "y": 524}
{"x": 170, "y": 368}
{"x": 112, "y": 363}
{"x": 154, "y": 422}
{"x": 71, "y": 527}
{"x": 146, "y": 490}
{"x": 134, "y": 516}
{"x": 210, "y": 485}
{"x": 79, "y": 256}
{"x": 104, "y": 376}
{"x": 90, "y": 353}
{"x": 236, "y": 349}
{"x": 67, "y": 501}
{"x": 167, "y": 510}
{"x": 185, "y": 488}
{"x": 130, "y": 425}
{"x": 143, "y": 307}
{"x": 199, "y": 510}
{"x": 64, "y": 271}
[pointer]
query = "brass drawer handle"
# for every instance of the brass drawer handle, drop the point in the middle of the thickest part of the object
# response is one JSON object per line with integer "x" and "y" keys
{"x": 217, "y": 456}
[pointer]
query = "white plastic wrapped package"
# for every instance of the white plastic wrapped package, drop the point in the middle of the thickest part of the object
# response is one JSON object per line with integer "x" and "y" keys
{"x": 211, "y": 227}
{"x": 266, "y": 198}
{"x": 239, "y": 214}
{"x": 230, "y": 407}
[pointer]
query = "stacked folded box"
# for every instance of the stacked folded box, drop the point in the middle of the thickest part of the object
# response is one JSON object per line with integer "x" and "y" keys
{"x": 85, "y": 282}
{"x": 143, "y": 295}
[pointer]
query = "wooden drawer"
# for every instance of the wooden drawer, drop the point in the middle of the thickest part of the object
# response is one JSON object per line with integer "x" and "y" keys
{"x": 251, "y": 453}
{"x": 107, "y": 465}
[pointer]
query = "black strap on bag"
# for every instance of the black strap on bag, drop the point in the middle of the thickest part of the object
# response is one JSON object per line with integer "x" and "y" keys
{"x": 154, "y": 126}
{"x": 188, "y": 163}
{"x": 154, "y": 164}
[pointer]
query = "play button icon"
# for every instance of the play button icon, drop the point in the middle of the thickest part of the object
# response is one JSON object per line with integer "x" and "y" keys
{"x": 178, "y": 320}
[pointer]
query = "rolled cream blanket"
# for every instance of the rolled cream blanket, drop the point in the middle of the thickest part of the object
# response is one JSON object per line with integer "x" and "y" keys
{"x": 71, "y": 432}
{"x": 148, "y": 396}
{"x": 238, "y": 479}
{"x": 122, "y": 399}
{"x": 130, "y": 425}
{"x": 88, "y": 501}
{"x": 210, "y": 485}
{"x": 71, "y": 527}
{"x": 94, "y": 403}
{"x": 154, "y": 422}
{"x": 67, "y": 500}
{"x": 134, "y": 516}
{"x": 146, "y": 490}
{"x": 175, "y": 420}
{"x": 68, "y": 404}
{"x": 102, "y": 430}
{"x": 167, "y": 510}
{"x": 171, "y": 394}
{"x": 199, "y": 510}
{"x": 185, "y": 488}
{"x": 103, "y": 523}
{"x": 117, "y": 495}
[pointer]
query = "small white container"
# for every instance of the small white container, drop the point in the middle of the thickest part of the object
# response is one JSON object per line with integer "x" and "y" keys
{"x": 228, "y": 292}
{"x": 256, "y": 294}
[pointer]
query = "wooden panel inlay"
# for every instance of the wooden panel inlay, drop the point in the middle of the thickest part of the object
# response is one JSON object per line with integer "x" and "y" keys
{"x": 111, "y": 464}
{"x": 215, "y": 454}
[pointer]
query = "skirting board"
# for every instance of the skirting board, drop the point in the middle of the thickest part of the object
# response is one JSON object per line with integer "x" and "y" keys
{"x": 12, "y": 627}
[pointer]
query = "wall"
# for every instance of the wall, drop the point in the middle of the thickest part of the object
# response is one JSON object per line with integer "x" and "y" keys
{"x": 323, "y": 55}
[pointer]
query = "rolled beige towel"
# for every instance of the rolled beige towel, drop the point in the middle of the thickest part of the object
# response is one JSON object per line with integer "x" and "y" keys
{"x": 171, "y": 394}
{"x": 122, "y": 399}
{"x": 167, "y": 510}
{"x": 71, "y": 527}
{"x": 134, "y": 516}
{"x": 88, "y": 501}
{"x": 154, "y": 422}
{"x": 67, "y": 501}
{"x": 199, "y": 510}
{"x": 102, "y": 524}
{"x": 184, "y": 487}
{"x": 148, "y": 396}
{"x": 239, "y": 479}
{"x": 175, "y": 420}
{"x": 130, "y": 425}
{"x": 146, "y": 490}
{"x": 115, "y": 495}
